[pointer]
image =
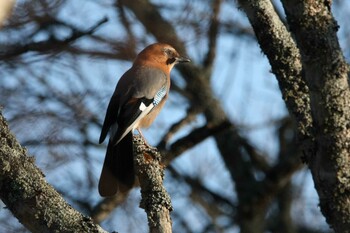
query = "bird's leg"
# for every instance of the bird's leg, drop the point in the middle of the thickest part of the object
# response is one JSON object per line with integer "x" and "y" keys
{"x": 146, "y": 143}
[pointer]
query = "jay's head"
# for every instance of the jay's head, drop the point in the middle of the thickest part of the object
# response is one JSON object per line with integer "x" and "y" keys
{"x": 160, "y": 55}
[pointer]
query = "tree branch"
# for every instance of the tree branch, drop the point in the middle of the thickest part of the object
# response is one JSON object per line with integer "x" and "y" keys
{"x": 212, "y": 35}
{"x": 52, "y": 44}
{"x": 155, "y": 199}
{"x": 326, "y": 74}
{"x": 278, "y": 45}
{"x": 29, "y": 197}
{"x": 193, "y": 138}
{"x": 189, "y": 117}
{"x": 103, "y": 209}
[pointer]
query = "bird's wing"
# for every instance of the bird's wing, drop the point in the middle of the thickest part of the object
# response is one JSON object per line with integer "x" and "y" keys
{"x": 134, "y": 111}
{"x": 136, "y": 94}
{"x": 111, "y": 116}
{"x": 138, "y": 114}
{"x": 148, "y": 88}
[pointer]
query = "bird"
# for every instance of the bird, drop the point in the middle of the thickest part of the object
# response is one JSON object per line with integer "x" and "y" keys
{"x": 139, "y": 95}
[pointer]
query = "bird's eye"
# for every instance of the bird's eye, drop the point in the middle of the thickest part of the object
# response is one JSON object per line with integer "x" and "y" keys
{"x": 169, "y": 52}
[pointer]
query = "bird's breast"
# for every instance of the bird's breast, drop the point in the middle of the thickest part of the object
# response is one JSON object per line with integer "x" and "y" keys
{"x": 149, "y": 118}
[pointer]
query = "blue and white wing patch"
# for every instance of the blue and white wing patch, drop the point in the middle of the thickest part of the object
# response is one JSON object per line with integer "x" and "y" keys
{"x": 159, "y": 96}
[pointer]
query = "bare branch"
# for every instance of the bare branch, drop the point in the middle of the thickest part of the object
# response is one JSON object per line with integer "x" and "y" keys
{"x": 29, "y": 197}
{"x": 283, "y": 54}
{"x": 155, "y": 199}
{"x": 52, "y": 44}
{"x": 193, "y": 138}
{"x": 103, "y": 209}
{"x": 326, "y": 74}
{"x": 190, "y": 116}
{"x": 212, "y": 35}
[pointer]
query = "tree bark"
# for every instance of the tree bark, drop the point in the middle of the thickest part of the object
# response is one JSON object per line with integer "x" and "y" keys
{"x": 277, "y": 43}
{"x": 316, "y": 91}
{"x": 29, "y": 197}
{"x": 155, "y": 199}
{"x": 326, "y": 74}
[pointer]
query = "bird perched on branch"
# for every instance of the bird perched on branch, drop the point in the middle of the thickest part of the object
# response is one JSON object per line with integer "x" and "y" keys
{"x": 139, "y": 96}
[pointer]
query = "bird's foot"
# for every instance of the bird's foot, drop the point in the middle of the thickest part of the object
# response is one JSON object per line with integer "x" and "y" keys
{"x": 149, "y": 146}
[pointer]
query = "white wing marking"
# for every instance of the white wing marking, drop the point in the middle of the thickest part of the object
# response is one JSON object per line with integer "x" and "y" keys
{"x": 145, "y": 110}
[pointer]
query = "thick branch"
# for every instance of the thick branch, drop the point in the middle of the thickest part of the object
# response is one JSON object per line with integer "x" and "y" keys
{"x": 149, "y": 16}
{"x": 326, "y": 74}
{"x": 29, "y": 197}
{"x": 278, "y": 45}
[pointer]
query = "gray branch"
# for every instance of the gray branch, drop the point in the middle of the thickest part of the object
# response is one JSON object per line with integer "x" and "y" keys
{"x": 34, "y": 202}
{"x": 155, "y": 199}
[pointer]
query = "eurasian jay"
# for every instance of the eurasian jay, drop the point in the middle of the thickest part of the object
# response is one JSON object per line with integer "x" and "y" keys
{"x": 138, "y": 97}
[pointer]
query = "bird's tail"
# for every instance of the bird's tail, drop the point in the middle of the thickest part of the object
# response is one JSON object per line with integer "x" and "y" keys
{"x": 118, "y": 168}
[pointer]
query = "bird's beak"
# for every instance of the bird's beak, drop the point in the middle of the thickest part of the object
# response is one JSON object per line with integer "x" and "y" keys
{"x": 182, "y": 59}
